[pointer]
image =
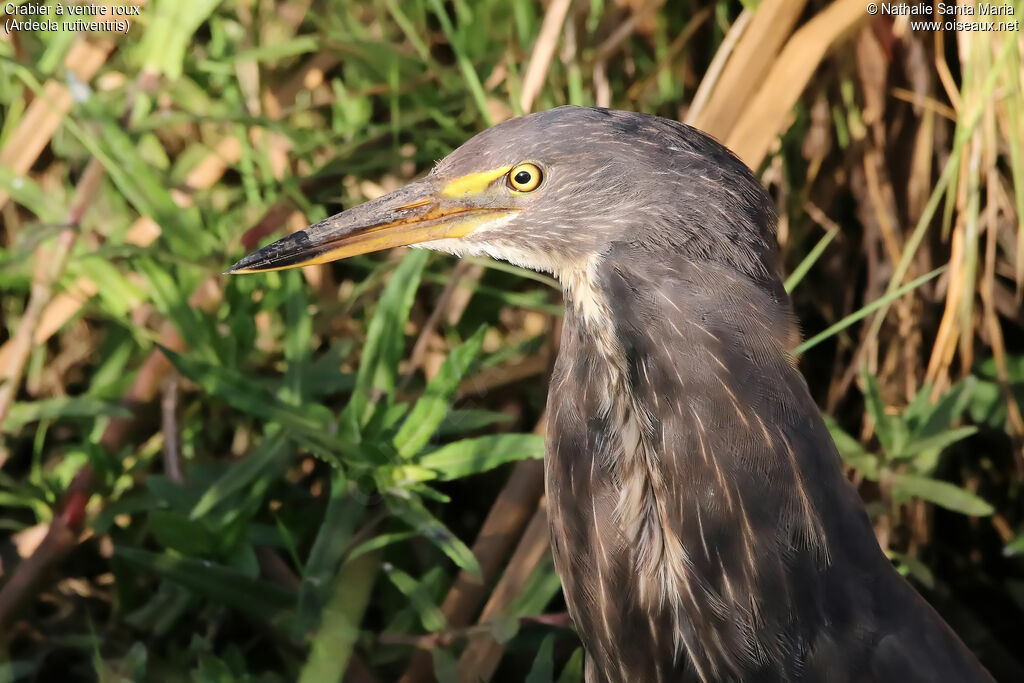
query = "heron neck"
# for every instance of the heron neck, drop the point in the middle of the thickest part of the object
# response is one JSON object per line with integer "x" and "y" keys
{"x": 644, "y": 289}
{"x": 694, "y": 490}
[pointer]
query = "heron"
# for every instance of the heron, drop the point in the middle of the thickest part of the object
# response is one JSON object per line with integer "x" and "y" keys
{"x": 701, "y": 522}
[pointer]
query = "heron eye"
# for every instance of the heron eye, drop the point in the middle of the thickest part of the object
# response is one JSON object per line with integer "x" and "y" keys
{"x": 524, "y": 177}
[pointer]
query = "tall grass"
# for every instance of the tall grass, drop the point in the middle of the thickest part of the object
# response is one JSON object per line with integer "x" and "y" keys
{"x": 334, "y": 473}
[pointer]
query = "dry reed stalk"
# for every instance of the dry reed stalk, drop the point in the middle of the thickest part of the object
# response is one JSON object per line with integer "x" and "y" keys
{"x": 937, "y": 373}
{"x": 764, "y": 115}
{"x": 43, "y": 116}
{"x": 515, "y": 505}
{"x": 49, "y": 264}
{"x": 429, "y": 328}
{"x": 991, "y": 316}
{"x": 751, "y": 57}
{"x": 66, "y": 304}
{"x": 945, "y": 75}
{"x": 461, "y": 296}
{"x": 502, "y": 375}
{"x": 608, "y": 47}
{"x": 924, "y": 102}
{"x": 480, "y": 658}
{"x": 922, "y": 157}
{"x": 882, "y": 201}
{"x": 709, "y": 83}
{"x": 624, "y": 30}
{"x": 543, "y": 52}
{"x": 977, "y": 160}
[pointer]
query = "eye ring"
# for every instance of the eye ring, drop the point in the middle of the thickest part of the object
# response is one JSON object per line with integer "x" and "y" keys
{"x": 525, "y": 178}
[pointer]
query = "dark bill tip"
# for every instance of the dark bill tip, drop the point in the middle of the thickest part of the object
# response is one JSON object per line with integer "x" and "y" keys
{"x": 293, "y": 250}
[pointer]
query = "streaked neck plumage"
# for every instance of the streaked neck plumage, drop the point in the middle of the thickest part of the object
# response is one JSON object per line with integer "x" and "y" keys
{"x": 701, "y": 522}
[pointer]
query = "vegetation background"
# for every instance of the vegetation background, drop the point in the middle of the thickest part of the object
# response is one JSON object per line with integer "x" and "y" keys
{"x": 335, "y": 472}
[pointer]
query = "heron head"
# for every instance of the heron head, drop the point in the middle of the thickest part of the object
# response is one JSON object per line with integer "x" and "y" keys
{"x": 550, "y": 190}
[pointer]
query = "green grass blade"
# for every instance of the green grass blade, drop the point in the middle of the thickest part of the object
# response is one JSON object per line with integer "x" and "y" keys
{"x": 217, "y": 583}
{"x": 885, "y": 300}
{"x": 543, "y": 669}
{"x": 385, "y": 336}
{"x": 472, "y": 456}
{"x": 941, "y": 493}
{"x": 465, "y": 65}
{"x": 64, "y": 407}
{"x": 344, "y": 510}
{"x": 812, "y": 257}
{"x": 431, "y": 408}
{"x": 250, "y": 397}
{"x": 332, "y": 643}
{"x": 429, "y": 613}
{"x": 572, "y": 672}
{"x": 428, "y": 526}
{"x": 237, "y": 477}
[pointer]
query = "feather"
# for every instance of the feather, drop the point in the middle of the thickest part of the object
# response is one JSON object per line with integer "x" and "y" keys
{"x": 701, "y": 511}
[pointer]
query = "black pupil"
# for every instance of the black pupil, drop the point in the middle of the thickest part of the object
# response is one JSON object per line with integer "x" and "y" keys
{"x": 523, "y": 177}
